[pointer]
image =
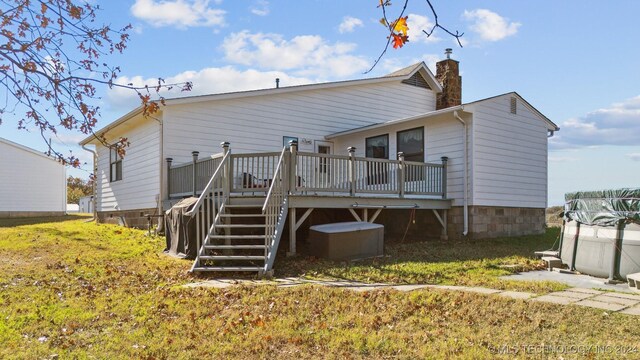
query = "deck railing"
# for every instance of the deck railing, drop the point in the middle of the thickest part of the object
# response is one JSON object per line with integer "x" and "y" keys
{"x": 275, "y": 209}
{"x": 313, "y": 173}
{"x": 181, "y": 176}
{"x": 209, "y": 206}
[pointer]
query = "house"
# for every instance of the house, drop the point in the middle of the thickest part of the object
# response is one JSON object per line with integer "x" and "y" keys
{"x": 397, "y": 143}
{"x": 31, "y": 183}
{"x": 85, "y": 204}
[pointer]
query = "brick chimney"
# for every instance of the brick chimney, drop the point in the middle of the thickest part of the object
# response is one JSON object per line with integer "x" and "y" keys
{"x": 448, "y": 75}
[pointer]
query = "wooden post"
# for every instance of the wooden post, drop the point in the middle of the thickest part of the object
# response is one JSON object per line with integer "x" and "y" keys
{"x": 227, "y": 182}
{"x": 444, "y": 176}
{"x": 401, "y": 174}
{"x": 352, "y": 170}
{"x": 194, "y": 155}
{"x": 169, "y": 160}
{"x": 292, "y": 232}
{"x": 292, "y": 178}
{"x": 444, "y": 235}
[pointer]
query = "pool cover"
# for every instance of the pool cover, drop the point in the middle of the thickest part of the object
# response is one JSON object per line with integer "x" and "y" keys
{"x": 604, "y": 207}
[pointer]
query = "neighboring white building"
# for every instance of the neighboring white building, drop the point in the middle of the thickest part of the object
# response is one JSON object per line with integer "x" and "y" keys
{"x": 502, "y": 140}
{"x": 31, "y": 183}
{"x": 86, "y": 204}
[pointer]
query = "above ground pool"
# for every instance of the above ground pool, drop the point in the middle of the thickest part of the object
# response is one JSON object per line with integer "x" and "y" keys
{"x": 601, "y": 233}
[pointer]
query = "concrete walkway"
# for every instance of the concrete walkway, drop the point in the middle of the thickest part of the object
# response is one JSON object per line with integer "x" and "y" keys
{"x": 610, "y": 301}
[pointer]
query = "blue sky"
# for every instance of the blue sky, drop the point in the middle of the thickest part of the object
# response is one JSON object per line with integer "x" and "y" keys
{"x": 576, "y": 61}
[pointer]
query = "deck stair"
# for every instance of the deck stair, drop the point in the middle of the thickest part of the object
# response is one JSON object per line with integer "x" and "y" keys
{"x": 552, "y": 253}
{"x": 552, "y": 262}
{"x": 238, "y": 243}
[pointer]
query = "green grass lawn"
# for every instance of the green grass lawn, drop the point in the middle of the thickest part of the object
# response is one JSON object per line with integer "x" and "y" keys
{"x": 80, "y": 290}
{"x": 469, "y": 263}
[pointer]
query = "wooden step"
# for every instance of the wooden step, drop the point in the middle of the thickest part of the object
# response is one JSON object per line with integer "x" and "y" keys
{"x": 633, "y": 280}
{"x": 552, "y": 262}
{"x": 231, "y": 237}
{"x": 551, "y": 253}
{"x": 231, "y": 257}
{"x": 228, "y": 268}
{"x": 240, "y": 226}
{"x": 243, "y": 206}
{"x": 235, "y": 247}
{"x": 242, "y": 215}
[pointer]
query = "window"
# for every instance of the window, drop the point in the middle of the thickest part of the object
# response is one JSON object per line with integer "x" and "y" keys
{"x": 411, "y": 143}
{"x": 377, "y": 147}
{"x": 115, "y": 161}
{"x": 514, "y": 105}
{"x": 286, "y": 139}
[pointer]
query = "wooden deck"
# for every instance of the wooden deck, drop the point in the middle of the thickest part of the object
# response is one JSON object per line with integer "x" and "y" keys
{"x": 277, "y": 185}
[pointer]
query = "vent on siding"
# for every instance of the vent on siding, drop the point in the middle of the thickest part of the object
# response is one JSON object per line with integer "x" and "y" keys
{"x": 514, "y": 105}
{"x": 417, "y": 80}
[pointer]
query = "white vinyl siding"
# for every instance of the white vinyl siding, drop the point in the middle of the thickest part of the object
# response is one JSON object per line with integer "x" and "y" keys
{"x": 510, "y": 155}
{"x": 30, "y": 182}
{"x": 140, "y": 171}
{"x": 442, "y": 137}
{"x": 258, "y": 123}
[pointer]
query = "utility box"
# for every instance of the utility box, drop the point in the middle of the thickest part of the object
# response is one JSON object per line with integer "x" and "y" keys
{"x": 347, "y": 240}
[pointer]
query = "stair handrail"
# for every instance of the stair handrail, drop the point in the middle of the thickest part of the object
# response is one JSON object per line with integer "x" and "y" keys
{"x": 209, "y": 205}
{"x": 274, "y": 209}
{"x": 203, "y": 195}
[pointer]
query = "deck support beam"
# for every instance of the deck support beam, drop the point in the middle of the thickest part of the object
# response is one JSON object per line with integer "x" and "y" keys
{"x": 375, "y": 215}
{"x": 292, "y": 232}
{"x": 443, "y": 221}
{"x": 294, "y": 224}
{"x": 355, "y": 214}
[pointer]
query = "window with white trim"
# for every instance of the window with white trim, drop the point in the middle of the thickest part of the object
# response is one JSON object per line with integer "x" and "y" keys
{"x": 115, "y": 164}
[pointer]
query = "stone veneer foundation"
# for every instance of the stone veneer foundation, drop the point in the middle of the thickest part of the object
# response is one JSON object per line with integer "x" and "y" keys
{"x": 491, "y": 222}
{"x": 484, "y": 222}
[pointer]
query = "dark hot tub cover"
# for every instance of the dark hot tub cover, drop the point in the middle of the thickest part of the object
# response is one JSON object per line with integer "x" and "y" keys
{"x": 604, "y": 207}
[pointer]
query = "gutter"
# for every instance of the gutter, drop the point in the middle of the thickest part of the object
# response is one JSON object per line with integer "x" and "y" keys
{"x": 466, "y": 176}
{"x": 94, "y": 199}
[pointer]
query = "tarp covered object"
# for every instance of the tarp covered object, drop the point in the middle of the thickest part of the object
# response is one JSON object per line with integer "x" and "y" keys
{"x": 181, "y": 230}
{"x": 604, "y": 208}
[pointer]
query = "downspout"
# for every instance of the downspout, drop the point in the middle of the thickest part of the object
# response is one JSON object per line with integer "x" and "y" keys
{"x": 94, "y": 198}
{"x": 160, "y": 225}
{"x": 466, "y": 176}
{"x": 64, "y": 204}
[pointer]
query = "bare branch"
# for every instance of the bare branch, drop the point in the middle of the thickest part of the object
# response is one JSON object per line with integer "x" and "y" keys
{"x": 393, "y": 33}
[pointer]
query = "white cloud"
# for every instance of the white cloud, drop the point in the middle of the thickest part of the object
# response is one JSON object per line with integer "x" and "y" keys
{"x": 561, "y": 159}
{"x": 260, "y": 8}
{"x": 179, "y": 13}
{"x": 489, "y": 25}
{"x": 418, "y": 23}
{"x": 205, "y": 81}
{"x": 349, "y": 24}
{"x": 634, "y": 156}
{"x": 303, "y": 55}
{"x": 616, "y": 125}
{"x": 389, "y": 65}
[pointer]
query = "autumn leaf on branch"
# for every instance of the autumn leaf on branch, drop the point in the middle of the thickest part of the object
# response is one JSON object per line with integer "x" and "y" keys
{"x": 398, "y": 29}
{"x": 400, "y": 25}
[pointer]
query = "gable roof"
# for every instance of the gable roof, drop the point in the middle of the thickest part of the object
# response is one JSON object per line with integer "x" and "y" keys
{"x": 25, "y": 148}
{"x": 531, "y": 107}
{"x": 443, "y": 111}
{"x": 399, "y": 75}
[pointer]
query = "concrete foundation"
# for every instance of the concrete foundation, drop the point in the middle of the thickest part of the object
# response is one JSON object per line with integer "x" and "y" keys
{"x": 23, "y": 214}
{"x": 130, "y": 218}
